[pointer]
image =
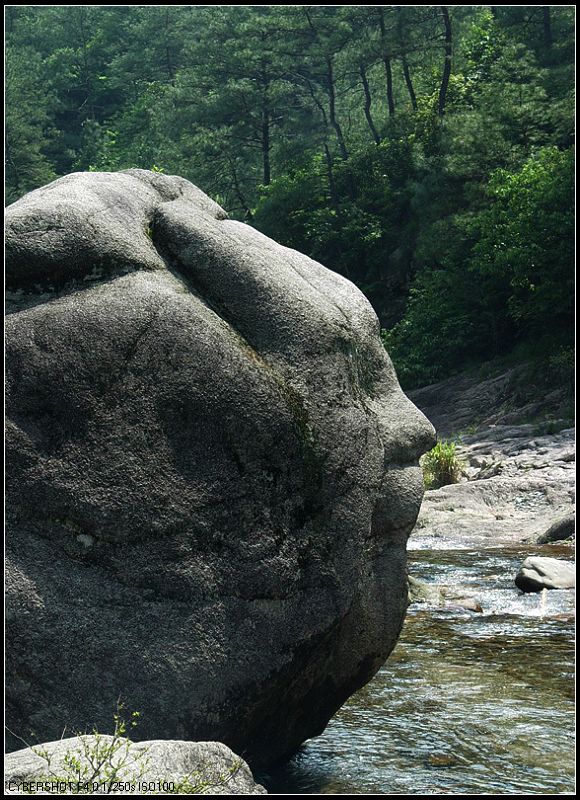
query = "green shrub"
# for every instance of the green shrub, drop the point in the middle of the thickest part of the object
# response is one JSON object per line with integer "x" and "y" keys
{"x": 562, "y": 367}
{"x": 441, "y": 465}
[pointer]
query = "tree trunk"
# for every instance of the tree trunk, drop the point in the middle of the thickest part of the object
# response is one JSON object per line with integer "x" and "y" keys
{"x": 238, "y": 191}
{"x": 168, "y": 64}
{"x": 330, "y": 91}
{"x": 330, "y": 173}
{"x": 389, "y": 73}
{"x": 447, "y": 65}
{"x": 387, "y": 63}
{"x": 409, "y": 83}
{"x": 368, "y": 103}
{"x": 86, "y": 63}
{"x": 404, "y": 62}
{"x": 265, "y": 126}
{"x": 12, "y": 164}
{"x": 266, "y": 145}
{"x": 328, "y": 158}
{"x": 332, "y": 110}
{"x": 9, "y": 19}
{"x": 547, "y": 24}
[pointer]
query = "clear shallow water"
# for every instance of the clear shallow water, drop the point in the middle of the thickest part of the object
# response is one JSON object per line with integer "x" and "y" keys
{"x": 467, "y": 703}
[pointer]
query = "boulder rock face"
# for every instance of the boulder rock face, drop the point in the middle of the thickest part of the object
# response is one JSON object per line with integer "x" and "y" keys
{"x": 564, "y": 528}
{"x": 537, "y": 573}
{"x": 157, "y": 767}
{"x": 212, "y": 472}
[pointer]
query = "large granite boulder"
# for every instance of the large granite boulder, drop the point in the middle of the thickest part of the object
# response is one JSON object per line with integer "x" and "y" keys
{"x": 212, "y": 472}
{"x": 100, "y": 764}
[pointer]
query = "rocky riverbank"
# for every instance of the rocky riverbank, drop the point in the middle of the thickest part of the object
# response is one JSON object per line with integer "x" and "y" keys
{"x": 478, "y": 695}
{"x": 517, "y": 483}
{"x": 517, "y": 454}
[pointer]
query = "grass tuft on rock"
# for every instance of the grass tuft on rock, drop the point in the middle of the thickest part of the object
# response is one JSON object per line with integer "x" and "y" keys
{"x": 441, "y": 465}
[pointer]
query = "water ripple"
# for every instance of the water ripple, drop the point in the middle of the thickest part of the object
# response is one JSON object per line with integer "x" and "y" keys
{"x": 468, "y": 703}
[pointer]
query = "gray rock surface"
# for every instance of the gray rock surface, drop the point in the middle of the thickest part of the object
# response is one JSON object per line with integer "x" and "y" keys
{"x": 155, "y": 767}
{"x": 538, "y": 572}
{"x": 464, "y": 604}
{"x": 519, "y": 476}
{"x": 212, "y": 472}
{"x": 562, "y": 529}
{"x": 492, "y": 395}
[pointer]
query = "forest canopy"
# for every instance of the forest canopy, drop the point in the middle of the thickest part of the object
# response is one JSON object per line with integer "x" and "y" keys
{"x": 424, "y": 152}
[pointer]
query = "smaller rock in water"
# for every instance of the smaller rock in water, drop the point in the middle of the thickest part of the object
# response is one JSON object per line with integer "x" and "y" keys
{"x": 421, "y": 592}
{"x": 537, "y": 573}
{"x": 155, "y": 767}
{"x": 441, "y": 760}
{"x": 563, "y": 528}
{"x": 464, "y": 604}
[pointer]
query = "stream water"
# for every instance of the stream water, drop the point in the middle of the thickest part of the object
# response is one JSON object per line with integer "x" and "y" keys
{"x": 468, "y": 703}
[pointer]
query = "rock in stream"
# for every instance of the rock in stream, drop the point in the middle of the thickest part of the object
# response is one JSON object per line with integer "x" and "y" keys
{"x": 537, "y": 573}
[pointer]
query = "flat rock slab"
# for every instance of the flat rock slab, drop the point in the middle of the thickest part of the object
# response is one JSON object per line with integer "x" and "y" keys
{"x": 490, "y": 396}
{"x": 537, "y": 573}
{"x": 517, "y": 485}
{"x": 156, "y": 767}
{"x": 422, "y": 592}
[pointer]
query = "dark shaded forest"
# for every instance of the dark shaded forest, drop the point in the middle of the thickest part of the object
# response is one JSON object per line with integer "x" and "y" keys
{"x": 424, "y": 152}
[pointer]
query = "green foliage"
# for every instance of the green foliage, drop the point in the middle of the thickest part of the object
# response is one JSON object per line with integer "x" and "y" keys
{"x": 355, "y": 229}
{"x": 441, "y": 465}
{"x": 456, "y": 226}
{"x": 28, "y": 123}
{"x": 439, "y": 331}
{"x": 507, "y": 275}
{"x": 562, "y": 368}
{"x": 101, "y": 760}
{"x": 526, "y": 238}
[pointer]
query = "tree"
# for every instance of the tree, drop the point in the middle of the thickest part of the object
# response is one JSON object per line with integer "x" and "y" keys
{"x": 447, "y": 62}
{"x": 339, "y": 131}
{"x": 526, "y": 239}
{"x": 29, "y": 128}
{"x": 403, "y": 55}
